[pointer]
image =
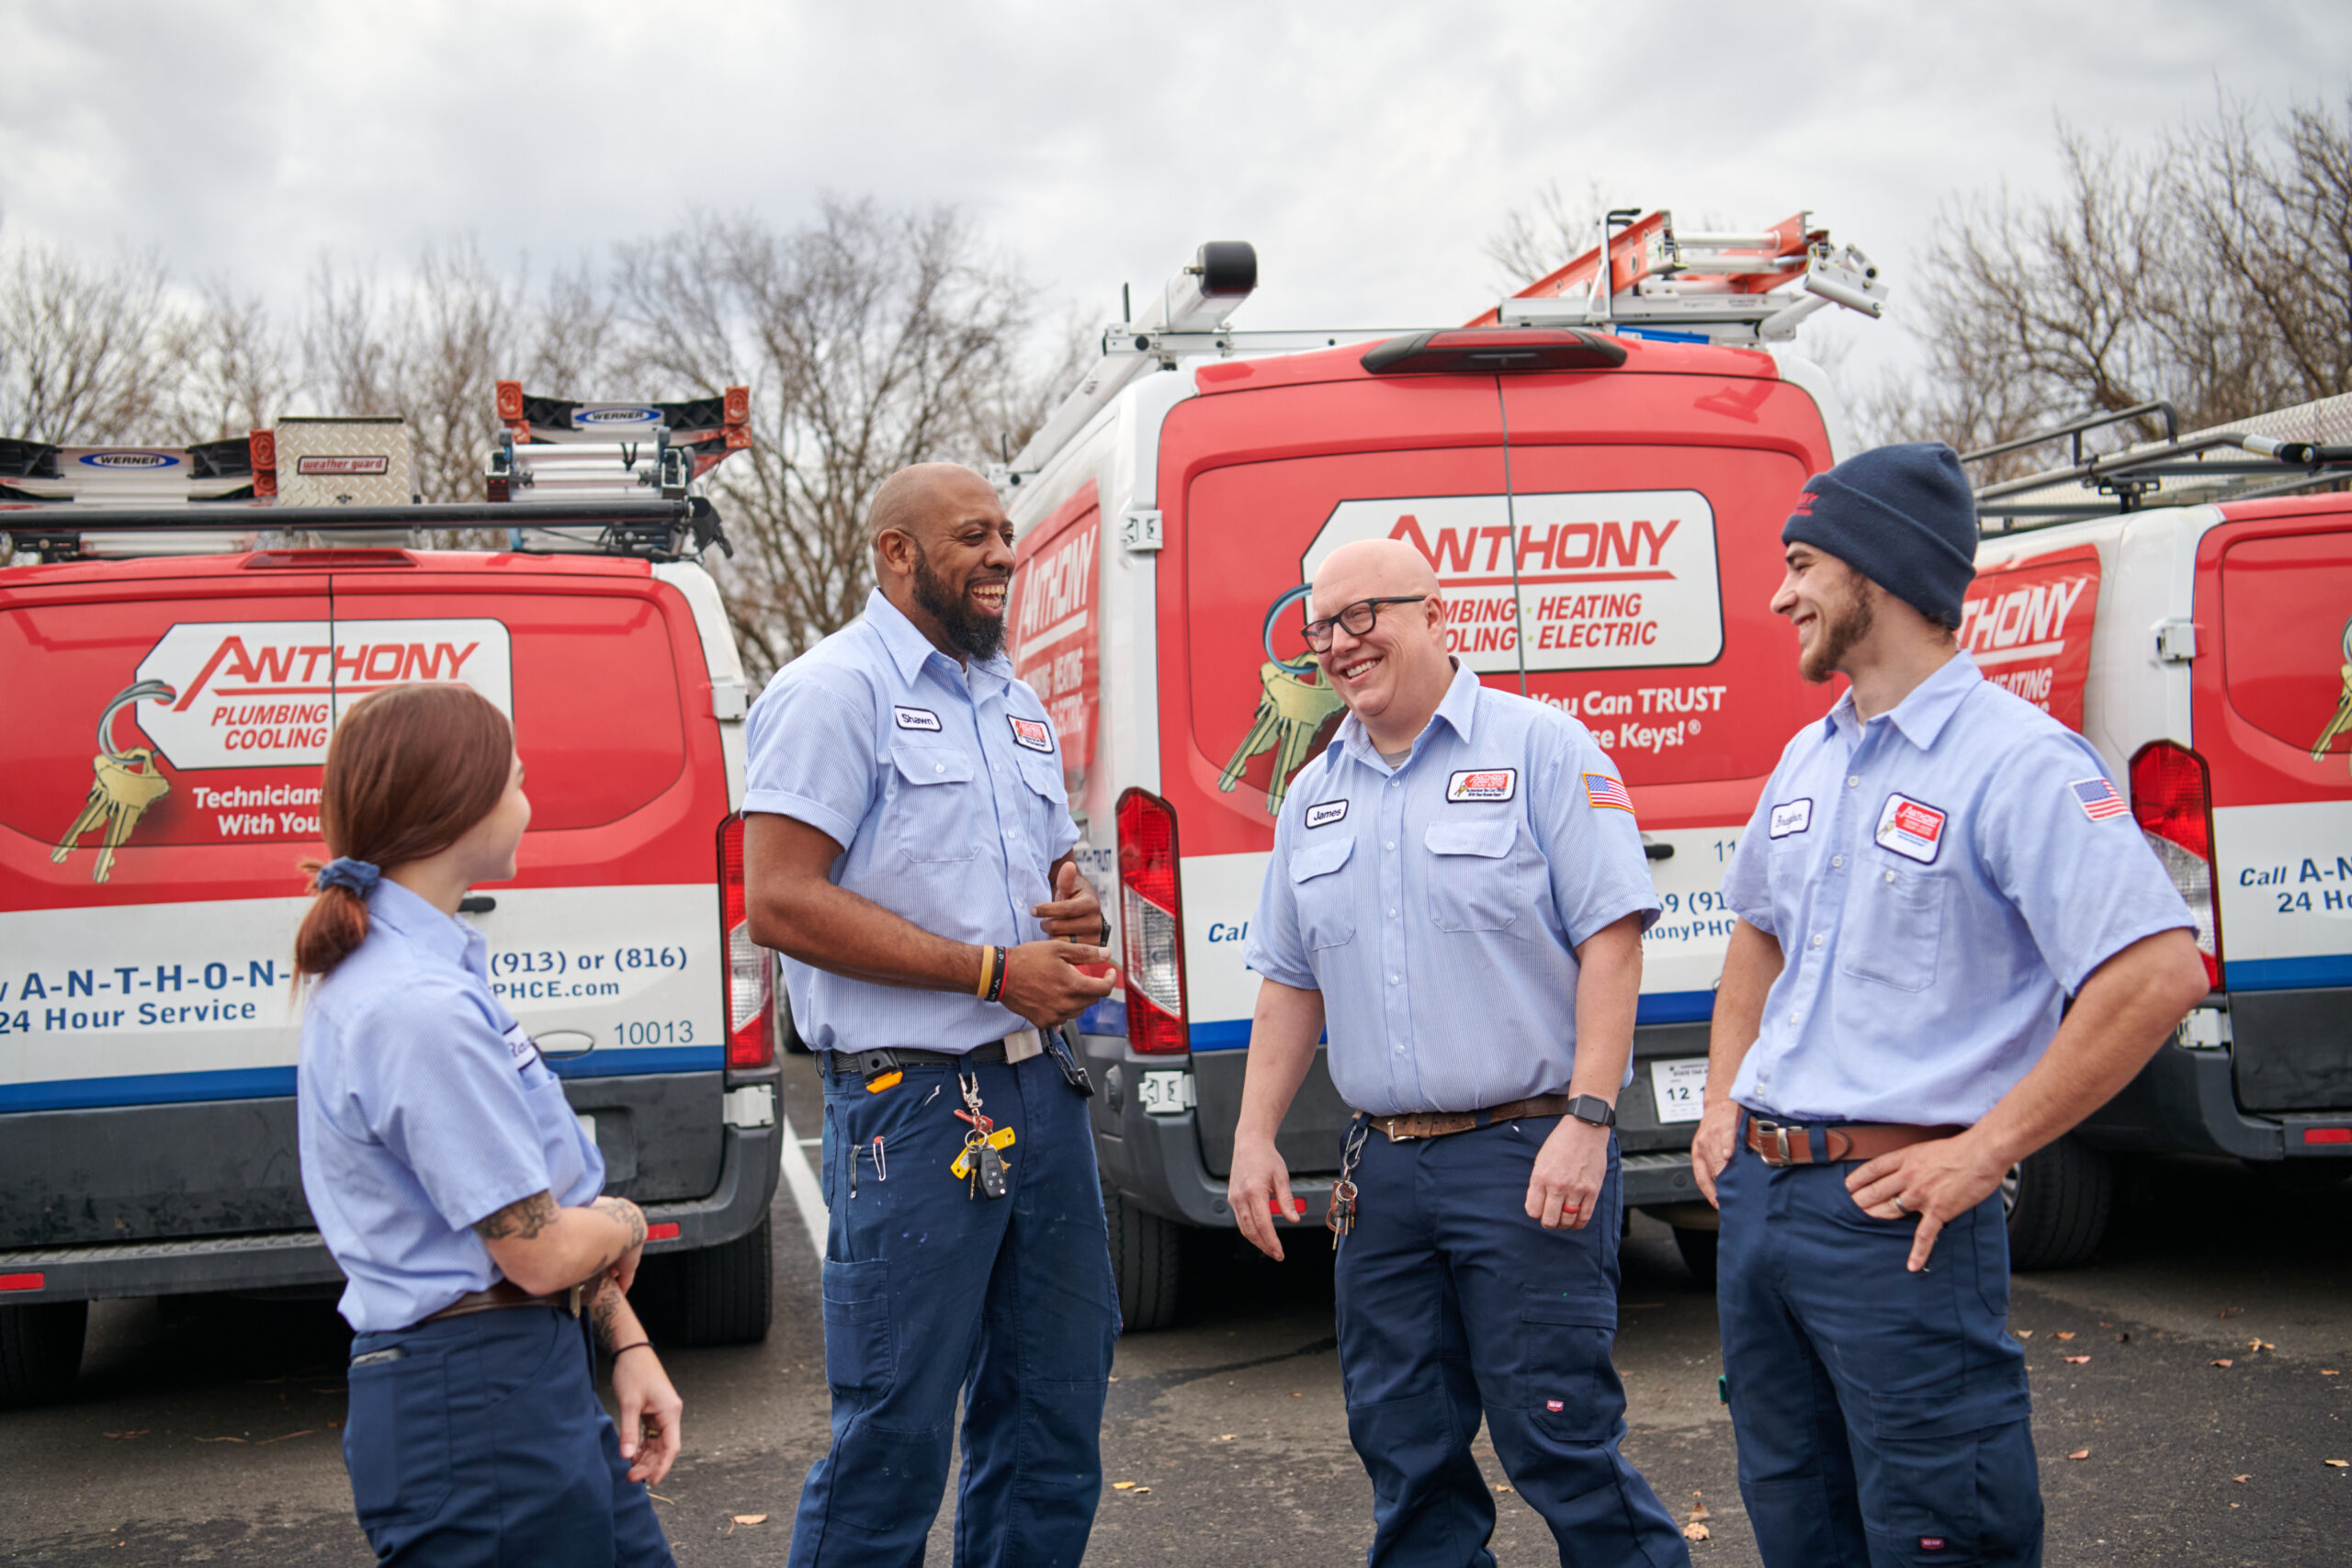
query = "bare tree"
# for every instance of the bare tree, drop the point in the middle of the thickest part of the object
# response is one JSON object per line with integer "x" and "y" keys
{"x": 1537, "y": 240}
{"x": 81, "y": 346}
{"x": 233, "y": 367}
{"x": 2212, "y": 270}
{"x": 871, "y": 339}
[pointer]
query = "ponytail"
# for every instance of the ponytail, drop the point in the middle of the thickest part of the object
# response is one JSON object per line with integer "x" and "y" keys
{"x": 410, "y": 770}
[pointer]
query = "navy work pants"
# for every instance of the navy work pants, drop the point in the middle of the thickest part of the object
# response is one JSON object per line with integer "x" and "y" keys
{"x": 929, "y": 1291}
{"x": 1882, "y": 1414}
{"x": 482, "y": 1445}
{"x": 1452, "y": 1302}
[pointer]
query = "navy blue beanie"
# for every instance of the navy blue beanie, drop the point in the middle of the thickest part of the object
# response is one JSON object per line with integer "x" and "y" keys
{"x": 1902, "y": 516}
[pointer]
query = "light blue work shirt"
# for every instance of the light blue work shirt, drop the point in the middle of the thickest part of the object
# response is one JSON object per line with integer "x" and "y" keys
{"x": 1437, "y": 905}
{"x": 1938, "y": 879}
{"x": 942, "y": 784}
{"x": 423, "y": 1109}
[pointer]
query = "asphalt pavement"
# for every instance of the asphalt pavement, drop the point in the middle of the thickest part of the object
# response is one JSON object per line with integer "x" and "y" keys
{"x": 209, "y": 1431}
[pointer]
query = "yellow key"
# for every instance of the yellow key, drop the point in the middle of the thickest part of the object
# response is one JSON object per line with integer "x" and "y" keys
{"x": 2336, "y": 726}
{"x": 119, "y": 796}
{"x": 1292, "y": 714}
{"x": 1000, "y": 1140}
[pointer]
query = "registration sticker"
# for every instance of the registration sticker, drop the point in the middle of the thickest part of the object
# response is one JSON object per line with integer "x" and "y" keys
{"x": 1791, "y": 817}
{"x": 1483, "y": 783}
{"x": 1679, "y": 1086}
{"x": 1911, "y": 829}
{"x": 1033, "y": 733}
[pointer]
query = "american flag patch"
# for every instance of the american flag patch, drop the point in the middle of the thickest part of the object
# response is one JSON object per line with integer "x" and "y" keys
{"x": 1602, "y": 790}
{"x": 2098, "y": 799}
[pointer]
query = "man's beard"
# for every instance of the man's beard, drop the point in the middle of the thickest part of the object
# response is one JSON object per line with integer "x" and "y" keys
{"x": 975, "y": 636}
{"x": 1842, "y": 626}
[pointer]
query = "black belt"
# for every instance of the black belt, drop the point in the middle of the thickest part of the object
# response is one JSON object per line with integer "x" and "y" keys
{"x": 866, "y": 1064}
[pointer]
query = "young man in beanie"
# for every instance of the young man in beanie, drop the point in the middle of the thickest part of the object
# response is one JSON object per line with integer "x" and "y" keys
{"x": 1933, "y": 870}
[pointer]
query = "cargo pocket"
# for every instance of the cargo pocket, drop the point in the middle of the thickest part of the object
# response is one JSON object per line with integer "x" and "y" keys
{"x": 1894, "y": 928}
{"x": 396, "y": 1439}
{"x": 1049, "y": 799}
{"x": 934, "y": 815}
{"x": 1324, "y": 918}
{"x": 1476, "y": 883}
{"x": 857, "y": 1328}
{"x": 1955, "y": 1476}
{"x": 1566, "y": 1386}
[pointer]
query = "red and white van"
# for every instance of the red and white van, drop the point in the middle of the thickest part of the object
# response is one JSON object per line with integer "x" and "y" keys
{"x": 2200, "y": 636}
{"x": 166, "y": 715}
{"x": 1602, "y": 502}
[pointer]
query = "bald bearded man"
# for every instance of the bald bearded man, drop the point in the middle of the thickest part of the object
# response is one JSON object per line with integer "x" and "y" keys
{"x": 1458, "y": 893}
{"x": 908, "y": 845}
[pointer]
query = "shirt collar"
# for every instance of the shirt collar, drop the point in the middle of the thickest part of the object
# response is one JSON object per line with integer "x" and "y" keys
{"x": 1920, "y": 716}
{"x": 396, "y": 908}
{"x": 908, "y": 648}
{"x": 1458, "y": 708}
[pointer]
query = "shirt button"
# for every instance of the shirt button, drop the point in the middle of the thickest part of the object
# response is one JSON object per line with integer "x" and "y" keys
{"x": 939, "y": 767}
{"x": 1389, "y": 845}
{"x": 1890, "y": 876}
{"x": 1816, "y": 941}
{"x": 1391, "y": 914}
{"x": 1792, "y": 1018}
{"x": 1392, "y": 784}
{"x": 1392, "y": 979}
{"x": 1836, "y": 860}
{"x": 1852, "y": 782}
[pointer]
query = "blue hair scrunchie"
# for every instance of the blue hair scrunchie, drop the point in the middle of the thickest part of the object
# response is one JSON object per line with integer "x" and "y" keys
{"x": 359, "y": 876}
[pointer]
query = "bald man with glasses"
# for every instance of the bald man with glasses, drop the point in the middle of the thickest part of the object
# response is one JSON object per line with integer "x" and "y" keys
{"x": 1458, "y": 893}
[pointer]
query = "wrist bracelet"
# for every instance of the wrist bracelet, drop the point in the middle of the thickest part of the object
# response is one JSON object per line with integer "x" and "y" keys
{"x": 988, "y": 971}
{"x": 994, "y": 977}
{"x": 632, "y": 1344}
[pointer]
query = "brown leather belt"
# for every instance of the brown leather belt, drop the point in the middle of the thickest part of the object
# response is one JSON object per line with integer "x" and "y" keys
{"x": 1785, "y": 1143}
{"x": 1438, "y": 1124}
{"x": 505, "y": 1294}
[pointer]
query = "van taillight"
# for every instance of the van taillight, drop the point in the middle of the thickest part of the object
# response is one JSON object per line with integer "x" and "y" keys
{"x": 750, "y": 1039}
{"x": 1151, "y": 917}
{"x": 2173, "y": 800}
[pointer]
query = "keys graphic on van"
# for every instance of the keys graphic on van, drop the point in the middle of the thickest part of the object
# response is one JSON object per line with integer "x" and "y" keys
{"x": 127, "y": 782}
{"x": 1290, "y": 715}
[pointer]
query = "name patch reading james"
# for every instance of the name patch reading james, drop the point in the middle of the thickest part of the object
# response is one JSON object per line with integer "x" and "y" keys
{"x": 1323, "y": 816}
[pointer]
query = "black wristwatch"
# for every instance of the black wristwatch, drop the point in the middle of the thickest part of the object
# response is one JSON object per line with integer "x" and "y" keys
{"x": 1106, "y": 932}
{"x": 1593, "y": 1109}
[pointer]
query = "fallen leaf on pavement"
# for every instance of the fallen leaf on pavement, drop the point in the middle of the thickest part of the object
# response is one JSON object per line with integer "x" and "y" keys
{"x": 2242, "y": 1480}
{"x": 2259, "y": 1345}
{"x": 2068, "y": 1334}
{"x": 2329, "y": 1372}
{"x": 2336, "y": 1463}
{"x": 1143, "y": 1491}
{"x": 1699, "y": 1511}
{"x": 2025, "y": 1333}
{"x": 140, "y": 1433}
{"x": 1224, "y": 1437}
{"x": 1502, "y": 1488}
{"x": 2223, "y": 1362}
{"x": 751, "y": 1519}
{"x": 283, "y": 1436}
{"x": 1695, "y": 1532}
{"x": 1122, "y": 1486}
{"x": 658, "y": 1497}
{"x": 2078, "y": 1360}
{"x": 220, "y": 1440}
{"x": 2080, "y": 1453}
{"x": 1295, "y": 1395}
{"x": 2124, "y": 1338}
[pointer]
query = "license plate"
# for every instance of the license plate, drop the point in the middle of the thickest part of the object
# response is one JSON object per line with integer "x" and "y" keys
{"x": 1681, "y": 1089}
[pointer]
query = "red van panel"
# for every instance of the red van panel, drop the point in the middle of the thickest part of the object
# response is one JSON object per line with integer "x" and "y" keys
{"x": 2275, "y": 592}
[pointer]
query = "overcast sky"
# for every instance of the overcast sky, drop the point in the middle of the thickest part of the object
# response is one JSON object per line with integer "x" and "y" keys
{"x": 1368, "y": 149}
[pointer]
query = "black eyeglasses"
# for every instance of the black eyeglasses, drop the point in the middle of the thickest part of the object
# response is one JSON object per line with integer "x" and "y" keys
{"x": 1357, "y": 618}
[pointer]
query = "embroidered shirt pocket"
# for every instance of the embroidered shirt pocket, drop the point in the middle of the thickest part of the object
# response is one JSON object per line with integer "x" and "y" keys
{"x": 1476, "y": 883}
{"x": 1326, "y": 918}
{"x": 1894, "y": 928}
{"x": 932, "y": 817}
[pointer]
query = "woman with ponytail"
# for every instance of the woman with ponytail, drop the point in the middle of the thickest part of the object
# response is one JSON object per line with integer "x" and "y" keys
{"x": 452, "y": 1183}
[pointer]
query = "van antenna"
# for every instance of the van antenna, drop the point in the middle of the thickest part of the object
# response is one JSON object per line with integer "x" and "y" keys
{"x": 1126, "y": 304}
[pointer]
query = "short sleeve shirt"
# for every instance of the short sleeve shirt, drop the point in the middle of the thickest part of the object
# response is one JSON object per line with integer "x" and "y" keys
{"x": 1939, "y": 880}
{"x": 423, "y": 1108}
{"x": 942, "y": 784}
{"x": 1438, "y": 904}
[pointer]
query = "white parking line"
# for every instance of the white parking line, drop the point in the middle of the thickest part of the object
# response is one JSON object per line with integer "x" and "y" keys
{"x": 801, "y": 1179}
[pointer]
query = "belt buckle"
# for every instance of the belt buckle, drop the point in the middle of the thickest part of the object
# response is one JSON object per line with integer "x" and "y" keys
{"x": 572, "y": 1298}
{"x": 1388, "y": 1125}
{"x": 1776, "y": 1142}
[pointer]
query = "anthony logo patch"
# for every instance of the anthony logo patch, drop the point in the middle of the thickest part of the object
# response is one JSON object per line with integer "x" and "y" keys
{"x": 1483, "y": 783}
{"x": 915, "y": 718}
{"x": 1791, "y": 817}
{"x": 1323, "y": 816}
{"x": 1033, "y": 733}
{"x": 1911, "y": 829}
{"x": 519, "y": 1049}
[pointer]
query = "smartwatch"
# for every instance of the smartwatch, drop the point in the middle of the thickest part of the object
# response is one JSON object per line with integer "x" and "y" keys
{"x": 1592, "y": 1109}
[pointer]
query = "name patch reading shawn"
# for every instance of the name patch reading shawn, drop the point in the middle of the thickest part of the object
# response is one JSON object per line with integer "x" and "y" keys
{"x": 915, "y": 718}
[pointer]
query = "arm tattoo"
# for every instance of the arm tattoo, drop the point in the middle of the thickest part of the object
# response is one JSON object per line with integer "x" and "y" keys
{"x": 630, "y": 1216}
{"x": 603, "y": 1310}
{"x": 524, "y": 1218}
